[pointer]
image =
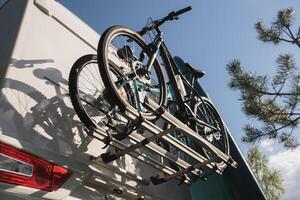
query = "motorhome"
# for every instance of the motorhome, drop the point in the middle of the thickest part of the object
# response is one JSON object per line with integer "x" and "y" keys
{"x": 45, "y": 151}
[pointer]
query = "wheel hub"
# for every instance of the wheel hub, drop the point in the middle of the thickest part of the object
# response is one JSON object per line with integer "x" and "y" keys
{"x": 140, "y": 70}
{"x": 211, "y": 134}
{"x": 208, "y": 133}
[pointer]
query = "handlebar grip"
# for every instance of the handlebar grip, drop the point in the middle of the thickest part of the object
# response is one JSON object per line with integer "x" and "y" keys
{"x": 171, "y": 16}
{"x": 141, "y": 32}
{"x": 181, "y": 11}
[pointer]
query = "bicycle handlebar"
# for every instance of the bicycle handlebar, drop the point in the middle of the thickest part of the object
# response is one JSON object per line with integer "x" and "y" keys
{"x": 171, "y": 16}
{"x": 181, "y": 11}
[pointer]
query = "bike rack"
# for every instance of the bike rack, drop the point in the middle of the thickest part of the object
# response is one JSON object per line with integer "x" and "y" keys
{"x": 137, "y": 140}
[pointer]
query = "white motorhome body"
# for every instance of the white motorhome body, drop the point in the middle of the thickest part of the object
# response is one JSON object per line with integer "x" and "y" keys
{"x": 41, "y": 41}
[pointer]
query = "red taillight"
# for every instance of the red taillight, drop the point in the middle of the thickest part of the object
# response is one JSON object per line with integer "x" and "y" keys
{"x": 21, "y": 168}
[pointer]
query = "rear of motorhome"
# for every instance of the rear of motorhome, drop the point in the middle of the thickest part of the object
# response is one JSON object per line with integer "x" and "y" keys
{"x": 45, "y": 151}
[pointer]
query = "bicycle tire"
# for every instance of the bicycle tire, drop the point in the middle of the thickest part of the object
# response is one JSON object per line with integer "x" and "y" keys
{"x": 73, "y": 89}
{"x": 105, "y": 67}
{"x": 206, "y": 111}
{"x": 88, "y": 107}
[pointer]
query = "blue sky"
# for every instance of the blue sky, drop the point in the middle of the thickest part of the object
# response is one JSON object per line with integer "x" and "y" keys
{"x": 210, "y": 36}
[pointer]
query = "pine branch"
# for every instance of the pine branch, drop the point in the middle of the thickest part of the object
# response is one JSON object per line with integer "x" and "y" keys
{"x": 288, "y": 113}
{"x": 277, "y": 93}
{"x": 291, "y": 34}
{"x": 287, "y": 33}
{"x": 259, "y": 134}
{"x": 298, "y": 33}
{"x": 284, "y": 126}
{"x": 295, "y": 40}
{"x": 285, "y": 40}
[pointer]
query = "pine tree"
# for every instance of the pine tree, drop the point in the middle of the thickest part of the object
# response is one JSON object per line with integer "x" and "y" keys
{"x": 280, "y": 29}
{"x": 270, "y": 180}
{"x": 272, "y": 100}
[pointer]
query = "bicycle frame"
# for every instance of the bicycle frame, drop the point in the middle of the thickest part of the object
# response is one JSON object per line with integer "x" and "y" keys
{"x": 184, "y": 101}
{"x": 188, "y": 131}
{"x": 175, "y": 76}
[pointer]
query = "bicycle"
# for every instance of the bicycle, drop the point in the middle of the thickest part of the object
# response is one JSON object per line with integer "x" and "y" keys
{"x": 131, "y": 70}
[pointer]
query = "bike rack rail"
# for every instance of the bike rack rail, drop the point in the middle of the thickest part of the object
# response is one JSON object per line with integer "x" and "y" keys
{"x": 137, "y": 140}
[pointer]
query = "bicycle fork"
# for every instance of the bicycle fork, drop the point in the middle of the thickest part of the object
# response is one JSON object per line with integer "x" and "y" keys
{"x": 155, "y": 45}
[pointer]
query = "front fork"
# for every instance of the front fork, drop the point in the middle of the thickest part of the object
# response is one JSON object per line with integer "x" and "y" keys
{"x": 155, "y": 45}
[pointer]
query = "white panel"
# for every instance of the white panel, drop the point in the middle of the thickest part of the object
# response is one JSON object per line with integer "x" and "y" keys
{"x": 36, "y": 113}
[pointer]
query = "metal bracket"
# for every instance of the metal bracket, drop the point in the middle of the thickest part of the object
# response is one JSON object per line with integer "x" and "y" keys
{"x": 137, "y": 140}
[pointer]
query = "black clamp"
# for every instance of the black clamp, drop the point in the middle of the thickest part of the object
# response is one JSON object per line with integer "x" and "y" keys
{"x": 215, "y": 168}
{"x": 230, "y": 161}
{"x": 182, "y": 178}
{"x": 140, "y": 119}
{"x": 109, "y": 157}
{"x": 107, "y": 140}
{"x": 159, "y": 112}
{"x": 156, "y": 180}
{"x": 136, "y": 124}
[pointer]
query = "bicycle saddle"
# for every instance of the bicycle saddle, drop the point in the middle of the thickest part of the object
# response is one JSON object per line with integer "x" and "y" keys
{"x": 186, "y": 68}
{"x": 198, "y": 73}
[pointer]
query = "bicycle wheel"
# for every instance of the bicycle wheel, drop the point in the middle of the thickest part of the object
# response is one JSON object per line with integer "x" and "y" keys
{"x": 206, "y": 112}
{"x": 122, "y": 50}
{"x": 87, "y": 93}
